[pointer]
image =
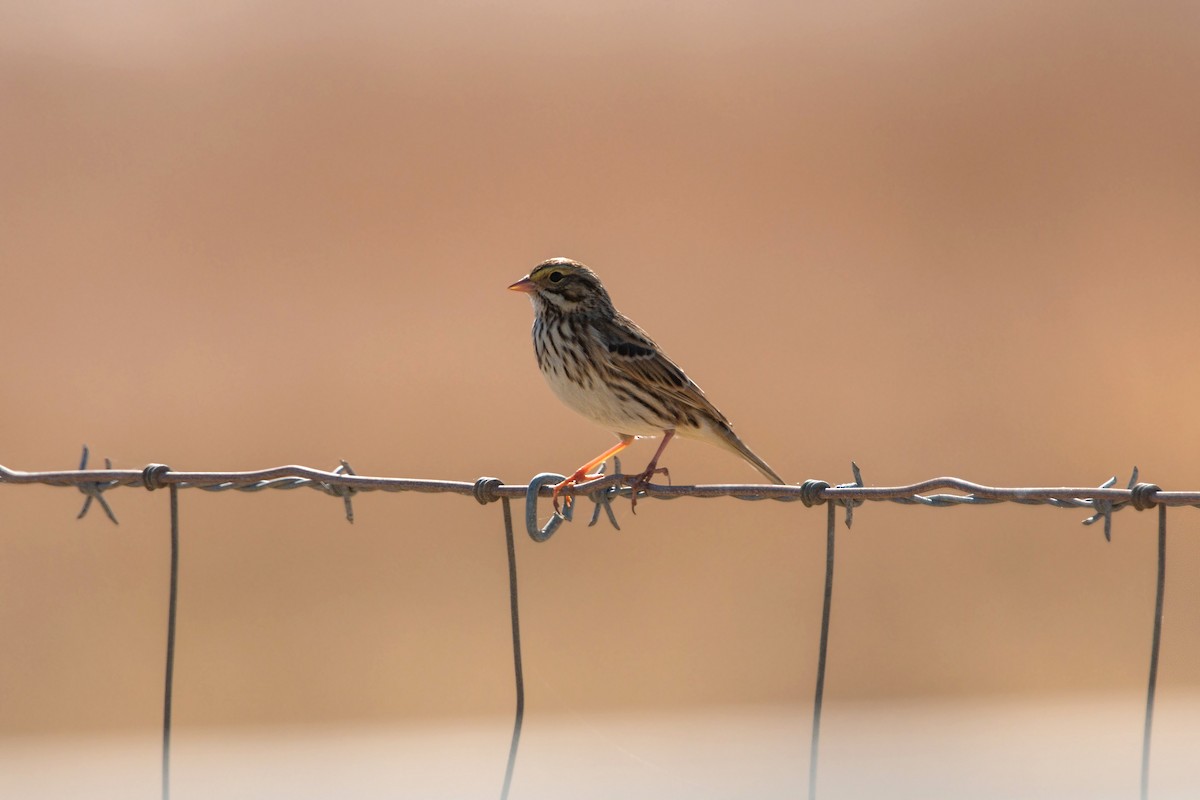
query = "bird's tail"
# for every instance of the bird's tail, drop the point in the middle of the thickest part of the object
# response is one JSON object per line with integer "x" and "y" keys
{"x": 728, "y": 439}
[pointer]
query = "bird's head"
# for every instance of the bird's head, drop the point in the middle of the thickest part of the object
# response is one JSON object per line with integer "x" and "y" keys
{"x": 563, "y": 285}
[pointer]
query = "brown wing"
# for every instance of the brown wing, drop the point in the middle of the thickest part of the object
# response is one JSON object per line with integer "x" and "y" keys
{"x": 634, "y": 356}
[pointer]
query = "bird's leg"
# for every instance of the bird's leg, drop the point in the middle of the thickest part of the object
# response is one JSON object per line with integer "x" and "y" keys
{"x": 640, "y": 481}
{"x": 583, "y": 473}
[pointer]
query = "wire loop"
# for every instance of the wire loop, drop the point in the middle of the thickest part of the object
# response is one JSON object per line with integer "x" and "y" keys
{"x": 484, "y": 490}
{"x": 810, "y": 492}
{"x": 152, "y": 476}
{"x": 542, "y": 533}
{"x": 1141, "y": 496}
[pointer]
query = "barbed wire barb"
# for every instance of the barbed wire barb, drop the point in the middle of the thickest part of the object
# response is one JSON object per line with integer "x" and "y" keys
{"x": 93, "y": 490}
{"x": 603, "y": 498}
{"x": 850, "y": 504}
{"x": 344, "y": 492}
{"x": 1106, "y": 506}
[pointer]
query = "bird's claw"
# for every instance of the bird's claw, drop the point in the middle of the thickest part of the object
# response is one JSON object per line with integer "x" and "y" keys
{"x": 640, "y": 482}
{"x": 574, "y": 480}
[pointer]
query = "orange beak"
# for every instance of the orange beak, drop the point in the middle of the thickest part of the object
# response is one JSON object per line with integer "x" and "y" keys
{"x": 524, "y": 285}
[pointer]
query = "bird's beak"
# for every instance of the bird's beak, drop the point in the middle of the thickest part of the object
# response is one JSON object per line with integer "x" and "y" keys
{"x": 524, "y": 285}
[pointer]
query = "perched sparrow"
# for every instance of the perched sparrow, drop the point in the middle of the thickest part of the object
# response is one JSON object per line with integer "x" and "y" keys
{"x": 600, "y": 363}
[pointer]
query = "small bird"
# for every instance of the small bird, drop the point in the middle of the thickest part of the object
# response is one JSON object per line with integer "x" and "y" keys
{"x": 601, "y": 364}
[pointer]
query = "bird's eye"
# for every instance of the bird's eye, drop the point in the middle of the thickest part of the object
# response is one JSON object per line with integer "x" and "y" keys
{"x": 555, "y": 277}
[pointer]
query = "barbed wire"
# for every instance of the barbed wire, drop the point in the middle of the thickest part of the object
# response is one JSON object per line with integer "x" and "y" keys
{"x": 1102, "y": 501}
{"x": 343, "y": 482}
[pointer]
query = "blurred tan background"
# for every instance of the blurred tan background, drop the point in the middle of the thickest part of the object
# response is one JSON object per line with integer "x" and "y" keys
{"x": 935, "y": 239}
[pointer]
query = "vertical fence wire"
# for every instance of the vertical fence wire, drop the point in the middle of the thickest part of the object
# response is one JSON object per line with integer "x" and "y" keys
{"x": 1102, "y": 501}
{"x": 822, "y": 651}
{"x": 516, "y": 641}
{"x": 1155, "y": 641}
{"x": 169, "y": 682}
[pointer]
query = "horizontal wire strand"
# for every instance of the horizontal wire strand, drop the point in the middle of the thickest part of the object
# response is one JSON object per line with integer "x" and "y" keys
{"x": 296, "y": 477}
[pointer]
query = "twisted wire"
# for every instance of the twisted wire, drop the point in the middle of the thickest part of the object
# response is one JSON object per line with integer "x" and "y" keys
{"x": 342, "y": 482}
{"x": 815, "y": 492}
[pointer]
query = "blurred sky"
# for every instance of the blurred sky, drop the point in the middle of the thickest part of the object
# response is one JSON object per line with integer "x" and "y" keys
{"x": 930, "y": 237}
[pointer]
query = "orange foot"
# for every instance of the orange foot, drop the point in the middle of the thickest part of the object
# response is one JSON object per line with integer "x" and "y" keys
{"x": 584, "y": 472}
{"x": 580, "y": 476}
